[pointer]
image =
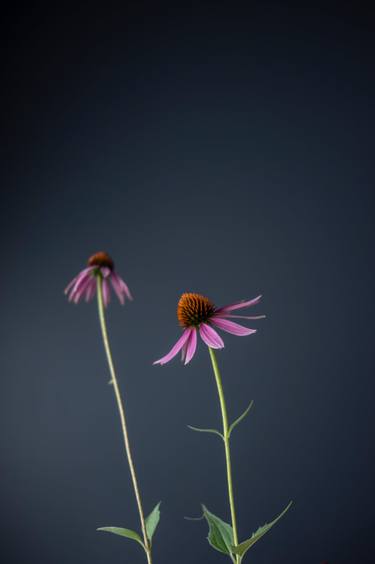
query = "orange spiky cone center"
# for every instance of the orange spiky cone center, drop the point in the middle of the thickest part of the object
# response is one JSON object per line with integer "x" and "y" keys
{"x": 194, "y": 309}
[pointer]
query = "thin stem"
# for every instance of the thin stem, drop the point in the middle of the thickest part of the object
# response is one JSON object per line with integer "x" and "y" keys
{"x": 121, "y": 410}
{"x": 227, "y": 446}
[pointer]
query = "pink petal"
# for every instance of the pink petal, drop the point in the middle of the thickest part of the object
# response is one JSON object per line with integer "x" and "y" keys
{"x": 239, "y": 305}
{"x": 118, "y": 289}
{"x": 70, "y": 285}
{"x": 191, "y": 346}
{"x": 229, "y": 316}
{"x": 82, "y": 276}
{"x": 176, "y": 348}
{"x": 106, "y": 292}
{"x": 210, "y": 337}
{"x": 76, "y": 295}
{"x": 78, "y": 285}
{"x": 90, "y": 291}
{"x": 231, "y": 327}
{"x": 126, "y": 288}
{"x": 121, "y": 284}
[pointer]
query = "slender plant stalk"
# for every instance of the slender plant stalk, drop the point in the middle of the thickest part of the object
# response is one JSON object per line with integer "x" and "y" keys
{"x": 121, "y": 410}
{"x": 227, "y": 447}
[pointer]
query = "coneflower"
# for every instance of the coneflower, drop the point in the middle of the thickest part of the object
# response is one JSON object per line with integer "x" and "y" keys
{"x": 197, "y": 314}
{"x": 84, "y": 285}
{"x": 96, "y": 279}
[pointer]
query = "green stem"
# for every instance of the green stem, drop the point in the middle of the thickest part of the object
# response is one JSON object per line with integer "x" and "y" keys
{"x": 121, "y": 410}
{"x": 227, "y": 446}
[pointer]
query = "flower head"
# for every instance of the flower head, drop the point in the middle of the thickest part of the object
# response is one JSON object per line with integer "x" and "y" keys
{"x": 197, "y": 314}
{"x": 84, "y": 284}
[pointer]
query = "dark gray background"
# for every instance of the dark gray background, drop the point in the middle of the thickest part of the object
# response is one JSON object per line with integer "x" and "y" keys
{"x": 208, "y": 148}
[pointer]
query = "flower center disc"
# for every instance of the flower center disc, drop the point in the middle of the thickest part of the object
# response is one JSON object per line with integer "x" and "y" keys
{"x": 193, "y": 309}
{"x": 101, "y": 259}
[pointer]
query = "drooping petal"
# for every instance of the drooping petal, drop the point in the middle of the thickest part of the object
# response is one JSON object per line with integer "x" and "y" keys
{"x": 90, "y": 290}
{"x": 126, "y": 289}
{"x": 76, "y": 295}
{"x": 70, "y": 285}
{"x": 106, "y": 292}
{"x": 232, "y": 327}
{"x": 76, "y": 292}
{"x": 210, "y": 337}
{"x": 124, "y": 286}
{"x": 117, "y": 288}
{"x": 191, "y": 346}
{"x": 239, "y": 305}
{"x": 176, "y": 348}
{"x": 71, "y": 296}
{"x": 82, "y": 276}
{"x": 78, "y": 286}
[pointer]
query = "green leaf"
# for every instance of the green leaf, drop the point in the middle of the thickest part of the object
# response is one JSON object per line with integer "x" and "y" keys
{"x": 206, "y": 431}
{"x": 220, "y": 534}
{"x": 243, "y": 547}
{"x": 152, "y": 521}
{"x": 128, "y": 533}
{"x": 239, "y": 419}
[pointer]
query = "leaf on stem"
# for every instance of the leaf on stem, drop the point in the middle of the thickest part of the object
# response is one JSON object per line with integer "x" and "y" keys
{"x": 240, "y": 418}
{"x": 214, "y": 431}
{"x": 243, "y": 547}
{"x": 220, "y": 534}
{"x": 152, "y": 521}
{"x": 128, "y": 533}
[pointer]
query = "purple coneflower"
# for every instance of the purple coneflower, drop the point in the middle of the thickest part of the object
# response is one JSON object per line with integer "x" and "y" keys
{"x": 95, "y": 280}
{"x": 84, "y": 285}
{"x": 197, "y": 313}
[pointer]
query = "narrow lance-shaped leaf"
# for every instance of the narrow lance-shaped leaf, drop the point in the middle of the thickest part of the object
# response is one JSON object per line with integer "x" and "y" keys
{"x": 240, "y": 418}
{"x": 243, "y": 547}
{"x": 128, "y": 533}
{"x": 220, "y": 534}
{"x": 152, "y": 521}
{"x": 215, "y": 431}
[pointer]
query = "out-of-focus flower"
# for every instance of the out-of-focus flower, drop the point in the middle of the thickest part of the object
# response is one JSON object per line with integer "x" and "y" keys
{"x": 197, "y": 314}
{"x": 85, "y": 283}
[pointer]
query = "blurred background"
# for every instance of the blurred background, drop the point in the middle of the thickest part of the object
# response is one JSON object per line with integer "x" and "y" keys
{"x": 207, "y": 147}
